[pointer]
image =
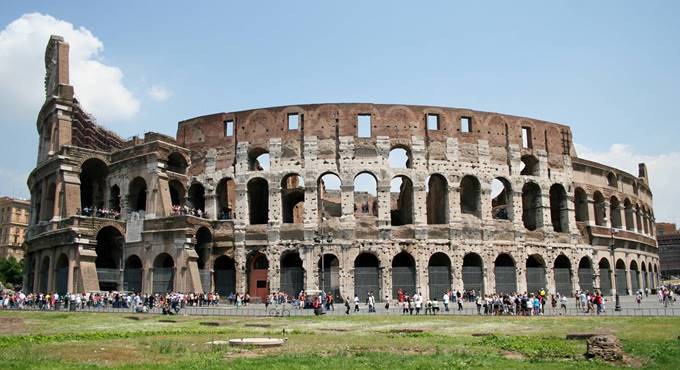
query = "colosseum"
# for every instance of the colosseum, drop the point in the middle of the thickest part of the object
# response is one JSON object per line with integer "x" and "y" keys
{"x": 349, "y": 198}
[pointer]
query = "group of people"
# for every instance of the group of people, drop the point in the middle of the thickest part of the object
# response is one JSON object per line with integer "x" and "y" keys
{"x": 178, "y": 210}
{"x": 99, "y": 212}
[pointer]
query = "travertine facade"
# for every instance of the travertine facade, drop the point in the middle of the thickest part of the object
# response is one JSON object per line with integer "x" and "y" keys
{"x": 478, "y": 201}
{"x": 14, "y": 215}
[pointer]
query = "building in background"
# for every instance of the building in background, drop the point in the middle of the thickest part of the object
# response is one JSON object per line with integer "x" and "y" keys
{"x": 14, "y": 215}
{"x": 668, "y": 237}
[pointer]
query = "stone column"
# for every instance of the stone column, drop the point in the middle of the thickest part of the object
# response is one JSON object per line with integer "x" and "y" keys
{"x": 211, "y": 205}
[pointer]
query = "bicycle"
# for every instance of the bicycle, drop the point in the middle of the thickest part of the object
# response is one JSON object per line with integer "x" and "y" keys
{"x": 278, "y": 312}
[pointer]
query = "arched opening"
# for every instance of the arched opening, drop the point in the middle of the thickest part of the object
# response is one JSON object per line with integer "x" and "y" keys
{"x": 93, "y": 174}
{"x": 403, "y": 274}
{"x": 292, "y": 274}
{"x": 501, "y": 199}
{"x": 330, "y": 196}
{"x": 473, "y": 278}
{"x": 581, "y": 205}
{"x": 621, "y": 279}
{"x": 470, "y": 192}
{"x": 226, "y": 199}
{"x": 258, "y": 159}
{"x": 177, "y": 194}
{"x": 203, "y": 248}
{"x": 634, "y": 277}
{"x": 401, "y": 201}
{"x": 293, "y": 199}
{"x": 562, "y": 271}
{"x": 612, "y": 180}
{"x": 225, "y": 276}
{"x": 163, "y": 274}
{"x": 605, "y": 276}
{"x": 197, "y": 198}
{"x": 365, "y": 195}
{"x": 529, "y": 166}
{"x": 109, "y": 250}
{"x": 506, "y": 274}
{"x": 600, "y": 208}
{"x": 137, "y": 195}
{"x": 439, "y": 275}
{"x": 437, "y": 200}
{"x": 585, "y": 274}
{"x": 132, "y": 276}
{"x": 638, "y": 218}
{"x": 44, "y": 275}
{"x": 645, "y": 221}
{"x": 177, "y": 163}
{"x": 50, "y": 201}
{"x": 258, "y": 201}
{"x": 615, "y": 212}
{"x": 329, "y": 275}
{"x": 30, "y": 273}
{"x": 400, "y": 157}
{"x": 628, "y": 209}
{"x": 644, "y": 283}
{"x": 559, "y": 209}
{"x": 535, "y": 274}
{"x": 114, "y": 198}
{"x": 258, "y": 275}
{"x": 532, "y": 210}
{"x": 61, "y": 275}
{"x": 367, "y": 276}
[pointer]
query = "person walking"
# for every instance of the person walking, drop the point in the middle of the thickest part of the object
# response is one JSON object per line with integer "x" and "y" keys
{"x": 347, "y": 307}
{"x": 445, "y": 299}
{"x": 356, "y": 303}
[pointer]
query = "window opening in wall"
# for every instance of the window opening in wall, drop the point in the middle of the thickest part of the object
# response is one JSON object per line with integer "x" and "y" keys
{"x": 293, "y": 121}
{"x": 330, "y": 196}
{"x": 399, "y": 158}
{"x": 433, "y": 122}
{"x": 401, "y": 201}
{"x": 293, "y": 199}
{"x": 365, "y": 195}
{"x": 364, "y": 125}
{"x": 229, "y": 128}
{"x": 437, "y": 199}
{"x": 465, "y": 124}
{"x": 526, "y": 137}
{"x": 470, "y": 191}
{"x": 501, "y": 199}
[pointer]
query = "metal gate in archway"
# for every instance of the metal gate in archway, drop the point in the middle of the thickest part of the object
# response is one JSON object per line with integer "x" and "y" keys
{"x": 404, "y": 278}
{"x": 585, "y": 279}
{"x": 205, "y": 279}
{"x": 292, "y": 280}
{"x": 645, "y": 282}
{"x": 563, "y": 281}
{"x": 132, "y": 280}
{"x": 367, "y": 279}
{"x": 634, "y": 281}
{"x": 535, "y": 279}
{"x": 61, "y": 280}
{"x": 605, "y": 281}
{"x": 621, "y": 282}
{"x": 43, "y": 281}
{"x": 330, "y": 283}
{"x": 506, "y": 279}
{"x": 473, "y": 279}
{"x": 439, "y": 281}
{"x": 163, "y": 278}
{"x": 225, "y": 282}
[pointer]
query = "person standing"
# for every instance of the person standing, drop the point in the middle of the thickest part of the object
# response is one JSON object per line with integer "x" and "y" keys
{"x": 347, "y": 306}
{"x": 356, "y": 303}
{"x": 445, "y": 298}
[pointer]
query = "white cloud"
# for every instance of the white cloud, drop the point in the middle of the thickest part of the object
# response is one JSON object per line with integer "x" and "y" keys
{"x": 159, "y": 93}
{"x": 98, "y": 87}
{"x": 663, "y": 169}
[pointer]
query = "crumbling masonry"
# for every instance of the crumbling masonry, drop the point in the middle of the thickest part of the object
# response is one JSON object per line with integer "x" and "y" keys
{"x": 415, "y": 198}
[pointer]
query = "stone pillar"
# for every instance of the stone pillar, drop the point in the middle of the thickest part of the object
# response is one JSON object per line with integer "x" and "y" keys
{"x": 311, "y": 216}
{"x": 591, "y": 210}
{"x": 455, "y": 216}
{"x": 211, "y": 205}
{"x": 242, "y": 212}
{"x": 629, "y": 281}
{"x": 549, "y": 278}
{"x": 275, "y": 206}
{"x": 545, "y": 210}
{"x": 241, "y": 265}
{"x": 521, "y": 276}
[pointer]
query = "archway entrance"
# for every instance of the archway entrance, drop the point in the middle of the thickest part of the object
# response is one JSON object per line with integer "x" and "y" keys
{"x": 109, "y": 258}
{"x": 44, "y": 274}
{"x": 535, "y": 274}
{"x": 329, "y": 276}
{"x": 605, "y": 277}
{"x": 367, "y": 276}
{"x": 403, "y": 274}
{"x": 505, "y": 273}
{"x": 132, "y": 276}
{"x": 634, "y": 277}
{"x": 621, "y": 280}
{"x": 92, "y": 184}
{"x": 225, "y": 276}
{"x": 585, "y": 275}
{"x": 473, "y": 278}
{"x": 562, "y": 270}
{"x": 61, "y": 277}
{"x": 439, "y": 275}
{"x": 292, "y": 274}
{"x": 203, "y": 248}
{"x": 163, "y": 273}
{"x": 258, "y": 276}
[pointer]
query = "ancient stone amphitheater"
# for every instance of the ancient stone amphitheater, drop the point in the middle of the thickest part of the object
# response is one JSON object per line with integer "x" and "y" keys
{"x": 350, "y": 198}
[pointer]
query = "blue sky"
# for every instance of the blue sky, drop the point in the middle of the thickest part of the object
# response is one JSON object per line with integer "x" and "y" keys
{"x": 608, "y": 69}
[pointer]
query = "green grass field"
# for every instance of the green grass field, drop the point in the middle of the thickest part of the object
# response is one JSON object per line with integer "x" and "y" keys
{"x": 88, "y": 340}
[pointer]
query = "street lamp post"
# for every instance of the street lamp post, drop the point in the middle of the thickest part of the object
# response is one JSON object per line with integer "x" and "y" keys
{"x": 319, "y": 238}
{"x": 612, "y": 246}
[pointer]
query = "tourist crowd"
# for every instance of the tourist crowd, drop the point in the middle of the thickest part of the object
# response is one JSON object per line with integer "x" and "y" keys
{"x": 188, "y": 211}
{"x": 99, "y": 212}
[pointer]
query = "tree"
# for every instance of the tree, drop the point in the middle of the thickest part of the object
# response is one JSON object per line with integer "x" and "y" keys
{"x": 11, "y": 271}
